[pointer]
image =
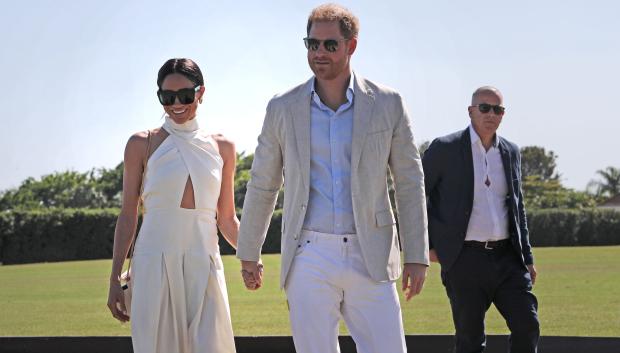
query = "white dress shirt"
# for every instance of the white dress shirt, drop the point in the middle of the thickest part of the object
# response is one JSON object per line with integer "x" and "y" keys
{"x": 489, "y": 215}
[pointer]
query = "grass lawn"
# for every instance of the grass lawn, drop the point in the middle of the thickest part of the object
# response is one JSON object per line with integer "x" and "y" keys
{"x": 578, "y": 291}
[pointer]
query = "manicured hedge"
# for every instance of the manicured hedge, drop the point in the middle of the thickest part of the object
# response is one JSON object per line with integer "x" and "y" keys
{"x": 79, "y": 234}
{"x": 57, "y": 235}
{"x": 272, "y": 242}
{"x": 555, "y": 227}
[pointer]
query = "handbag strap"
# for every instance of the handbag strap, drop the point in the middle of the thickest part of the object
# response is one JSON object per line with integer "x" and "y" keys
{"x": 140, "y": 200}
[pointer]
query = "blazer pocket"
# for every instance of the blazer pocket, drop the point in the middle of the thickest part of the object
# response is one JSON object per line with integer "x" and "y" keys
{"x": 376, "y": 132}
{"x": 384, "y": 218}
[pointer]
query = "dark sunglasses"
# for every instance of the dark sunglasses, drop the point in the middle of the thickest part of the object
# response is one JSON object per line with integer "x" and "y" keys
{"x": 185, "y": 95}
{"x": 485, "y": 108}
{"x": 331, "y": 45}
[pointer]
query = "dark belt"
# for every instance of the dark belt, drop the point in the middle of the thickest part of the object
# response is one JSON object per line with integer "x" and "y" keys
{"x": 488, "y": 245}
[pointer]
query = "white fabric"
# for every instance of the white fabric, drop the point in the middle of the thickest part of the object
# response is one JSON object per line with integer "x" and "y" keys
{"x": 180, "y": 302}
{"x": 489, "y": 215}
{"x": 328, "y": 281}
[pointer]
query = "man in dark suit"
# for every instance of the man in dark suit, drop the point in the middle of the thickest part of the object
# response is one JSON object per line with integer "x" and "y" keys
{"x": 478, "y": 229}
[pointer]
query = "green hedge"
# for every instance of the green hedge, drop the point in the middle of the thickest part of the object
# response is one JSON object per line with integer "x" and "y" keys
{"x": 79, "y": 234}
{"x": 56, "y": 235}
{"x": 559, "y": 227}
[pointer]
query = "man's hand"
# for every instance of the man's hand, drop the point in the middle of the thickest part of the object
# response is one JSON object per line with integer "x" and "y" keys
{"x": 252, "y": 273}
{"x": 413, "y": 279}
{"x": 432, "y": 254}
{"x": 533, "y": 273}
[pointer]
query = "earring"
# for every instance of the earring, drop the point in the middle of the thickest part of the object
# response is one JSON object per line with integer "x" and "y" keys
{"x": 200, "y": 101}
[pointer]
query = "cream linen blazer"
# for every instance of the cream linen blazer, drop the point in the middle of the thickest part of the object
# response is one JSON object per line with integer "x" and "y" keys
{"x": 382, "y": 140}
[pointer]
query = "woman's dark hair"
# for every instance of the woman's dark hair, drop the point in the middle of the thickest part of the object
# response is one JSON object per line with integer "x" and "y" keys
{"x": 182, "y": 66}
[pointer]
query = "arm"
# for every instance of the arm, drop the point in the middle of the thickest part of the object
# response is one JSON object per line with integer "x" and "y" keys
{"x": 430, "y": 163}
{"x": 260, "y": 198}
{"x": 406, "y": 168}
{"x": 227, "y": 220}
{"x": 525, "y": 234}
{"x": 135, "y": 152}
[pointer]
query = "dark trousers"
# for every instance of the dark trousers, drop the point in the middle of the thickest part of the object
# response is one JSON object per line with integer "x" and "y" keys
{"x": 480, "y": 277}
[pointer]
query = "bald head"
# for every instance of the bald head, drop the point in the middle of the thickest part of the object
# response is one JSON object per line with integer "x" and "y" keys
{"x": 485, "y": 91}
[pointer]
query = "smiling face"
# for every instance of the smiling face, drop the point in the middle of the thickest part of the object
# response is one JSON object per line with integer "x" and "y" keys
{"x": 178, "y": 112}
{"x": 330, "y": 65}
{"x": 485, "y": 124}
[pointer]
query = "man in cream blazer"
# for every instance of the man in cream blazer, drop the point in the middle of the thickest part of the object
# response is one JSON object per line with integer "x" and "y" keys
{"x": 332, "y": 141}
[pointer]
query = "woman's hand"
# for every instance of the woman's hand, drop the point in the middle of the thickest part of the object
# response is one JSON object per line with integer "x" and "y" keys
{"x": 252, "y": 274}
{"x": 116, "y": 301}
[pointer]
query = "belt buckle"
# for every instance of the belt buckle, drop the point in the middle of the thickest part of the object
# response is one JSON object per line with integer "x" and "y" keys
{"x": 486, "y": 245}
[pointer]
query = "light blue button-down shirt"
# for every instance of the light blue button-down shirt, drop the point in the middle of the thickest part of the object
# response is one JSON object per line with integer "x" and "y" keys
{"x": 330, "y": 208}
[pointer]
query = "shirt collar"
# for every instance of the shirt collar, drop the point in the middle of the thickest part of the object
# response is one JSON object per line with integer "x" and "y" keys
{"x": 475, "y": 138}
{"x": 350, "y": 92}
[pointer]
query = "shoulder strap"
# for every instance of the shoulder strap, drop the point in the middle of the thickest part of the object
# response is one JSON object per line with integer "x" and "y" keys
{"x": 140, "y": 200}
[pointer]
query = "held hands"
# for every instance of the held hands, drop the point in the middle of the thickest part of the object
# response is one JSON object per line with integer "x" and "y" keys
{"x": 413, "y": 279}
{"x": 116, "y": 301}
{"x": 252, "y": 273}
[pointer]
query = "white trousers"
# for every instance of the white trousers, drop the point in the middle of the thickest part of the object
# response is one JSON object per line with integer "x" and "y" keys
{"x": 328, "y": 281}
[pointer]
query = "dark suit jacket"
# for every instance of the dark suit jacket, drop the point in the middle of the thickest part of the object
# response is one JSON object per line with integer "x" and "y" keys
{"x": 449, "y": 182}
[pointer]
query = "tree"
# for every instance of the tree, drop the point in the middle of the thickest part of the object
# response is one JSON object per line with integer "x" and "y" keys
{"x": 541, "y": 182}
{"x": 97, "y": 188}
{"x": 540, "y": 194}
{"x": 68, "y": 189}
{"x": 609, "y": 185}
{"x": 536, "y": 161}
{"x": 110, "y": 183}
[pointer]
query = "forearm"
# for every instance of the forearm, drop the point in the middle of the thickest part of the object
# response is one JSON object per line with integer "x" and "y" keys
{"x": 411, "y": 208}
{"x": 123, "y": 236}
{"x": 257, "y": 211}
{"x": 229, "y": 227}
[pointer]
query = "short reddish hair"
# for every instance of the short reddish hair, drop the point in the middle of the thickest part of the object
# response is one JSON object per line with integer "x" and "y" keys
{"x": 349, "y": 24}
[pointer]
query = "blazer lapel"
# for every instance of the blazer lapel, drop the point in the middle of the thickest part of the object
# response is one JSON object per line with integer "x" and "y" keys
{"x": 300, "y": 111}
{"x": 362, "y": 112}
{"x": 468, "y": 168}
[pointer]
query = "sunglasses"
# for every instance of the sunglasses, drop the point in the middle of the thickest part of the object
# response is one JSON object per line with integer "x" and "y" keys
{"x": 331, "y": 45}
{"x": 185, "y": 95}
{"x": 485, "y": 108}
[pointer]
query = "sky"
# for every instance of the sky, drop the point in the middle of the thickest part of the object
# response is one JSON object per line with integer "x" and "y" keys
{"x": 79, "y": 77}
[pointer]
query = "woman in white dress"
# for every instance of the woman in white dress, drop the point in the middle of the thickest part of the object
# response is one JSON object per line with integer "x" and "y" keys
{"x": 179, "y": 301}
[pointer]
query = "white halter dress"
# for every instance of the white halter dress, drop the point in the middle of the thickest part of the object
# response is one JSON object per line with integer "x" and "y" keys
{"x": 179, "y": 302}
